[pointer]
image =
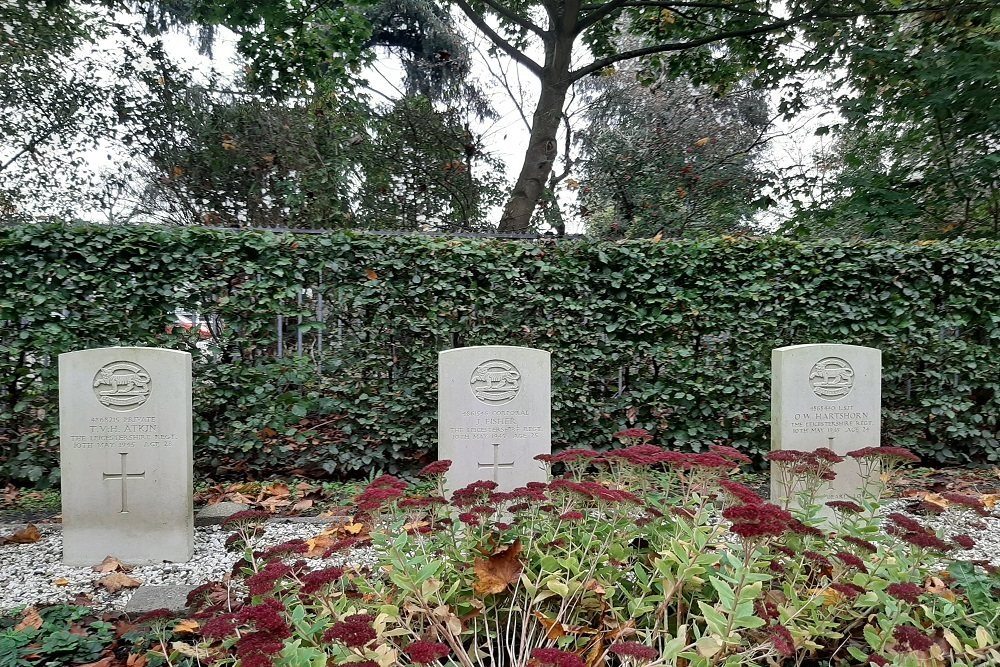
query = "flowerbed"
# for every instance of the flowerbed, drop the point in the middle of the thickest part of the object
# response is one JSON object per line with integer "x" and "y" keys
{"x": 630, "y": 558}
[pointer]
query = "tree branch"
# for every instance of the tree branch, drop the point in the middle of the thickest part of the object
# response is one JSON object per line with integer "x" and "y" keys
{"x": 501, "y": 43}
{"x": 598, "y": 65}
{"x": 599, "y": 12}
{"x": 513, "y": 17}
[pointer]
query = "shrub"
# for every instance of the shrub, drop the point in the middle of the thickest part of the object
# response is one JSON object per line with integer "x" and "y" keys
{"x": 637, "y": 557}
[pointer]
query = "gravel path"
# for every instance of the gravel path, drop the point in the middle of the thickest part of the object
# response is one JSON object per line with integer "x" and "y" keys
{"x": 28, "y": 572}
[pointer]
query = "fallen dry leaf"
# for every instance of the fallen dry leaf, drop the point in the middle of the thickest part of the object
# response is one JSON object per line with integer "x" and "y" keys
{"x": 61, "y": 581}
{"x": 495, "y": 573}
{"x": 371, "y": 274}
{"x": 191, "y": 651}
{"x": 111, "y": 564}
{"x": 103, "y": 662}
{"x": 303, "y": 504}
{"x": 31, "y": 619}
{"x": 26, "y": 535}
{"x": 135, "y": 660}
{"x": 116, "y": 581}
{"x": 319, "y": 544}
{"x": 352, "y": 528}
{"x": 414, "y": 525}
{"x": 187, "y": 625}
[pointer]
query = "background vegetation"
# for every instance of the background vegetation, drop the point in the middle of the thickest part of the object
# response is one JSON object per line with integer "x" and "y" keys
{"x": 671, "y": 336}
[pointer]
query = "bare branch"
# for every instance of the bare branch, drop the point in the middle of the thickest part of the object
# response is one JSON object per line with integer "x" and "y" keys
{"x": 515, "y": 18}
{"x": 501, "y": 43}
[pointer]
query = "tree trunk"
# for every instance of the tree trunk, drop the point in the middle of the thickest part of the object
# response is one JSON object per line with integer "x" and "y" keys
{"x": 542, "y": 144}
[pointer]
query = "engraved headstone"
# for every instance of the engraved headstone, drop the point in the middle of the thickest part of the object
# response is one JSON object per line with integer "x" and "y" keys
{"x": 494, "y": 414}
{"x": 826, "y": 396}
{"x": 125, "y": 453}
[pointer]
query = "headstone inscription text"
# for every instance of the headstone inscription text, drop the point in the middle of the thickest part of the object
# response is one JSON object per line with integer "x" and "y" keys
{"x": 125, "y": 452}
{"x": 826, "y": 395}
{"x": 494, "y": 414}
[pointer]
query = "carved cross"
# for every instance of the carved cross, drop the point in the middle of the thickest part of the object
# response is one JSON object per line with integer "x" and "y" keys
{"x": 124, "y": 477}
{"x": 496, "y": 465}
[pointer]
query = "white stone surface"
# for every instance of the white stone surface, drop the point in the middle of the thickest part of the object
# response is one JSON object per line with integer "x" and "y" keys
{"x": 826, "y": 395}
{"x": 494, "y": 414}
{"x": 125, "y": 453}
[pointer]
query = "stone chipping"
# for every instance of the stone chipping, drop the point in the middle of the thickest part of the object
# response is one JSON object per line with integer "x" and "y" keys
{"x": 32, "y": 573}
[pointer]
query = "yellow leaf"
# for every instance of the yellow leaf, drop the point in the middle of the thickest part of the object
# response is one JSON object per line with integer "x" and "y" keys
{"x": 61, "y": 581}
{"x": 667, "y": 17}
{"x": 983, "y": 637}
{"x": 701, "y": 142}
{"x": 658, "y": 237}
{"x": 990, "y": 500}
{"x": 228, "y": 142}
{"x": 187, "y": 625}
{"x": 353, "y": 528}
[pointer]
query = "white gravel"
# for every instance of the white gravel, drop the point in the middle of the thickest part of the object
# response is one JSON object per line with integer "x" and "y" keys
{"x": 28, "y": 572}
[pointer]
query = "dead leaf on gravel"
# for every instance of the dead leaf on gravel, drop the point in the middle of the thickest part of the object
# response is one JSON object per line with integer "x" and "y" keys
{"x": 495, "y": 573}
{"x": 111, "y": 564}
{"x": 27, "y": 535}
{"x": 61, "y": 581}
{"x": 31, "y": 619}
{"x": 116, "y": 581}
{"x": 303, "y": 504}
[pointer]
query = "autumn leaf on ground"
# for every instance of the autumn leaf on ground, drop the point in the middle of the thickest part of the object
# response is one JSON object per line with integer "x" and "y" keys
{"x": 116, "y": 581}
{"x": 702, "y": 142}
{"x": 371, "y": 274}
{"x": 352, "y": 528}
{"x": 188, "y": 625}
{"x": 495, "y": 573}
{"x": 302, "y": 505}
{"x": 31, "y": 619}
{"x": 111, "y": 564}
{"x": 26, "y": 535}
{"x": 109, "y": 661}
{"x": 280, "y": 490}
{"x": 319, "y": 544}
{"x": 135, "y": 660}
{"x": 61, "y": 581}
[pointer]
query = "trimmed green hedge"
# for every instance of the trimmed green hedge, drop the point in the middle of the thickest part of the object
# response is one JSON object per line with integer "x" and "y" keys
{"x": 672, "y": 336}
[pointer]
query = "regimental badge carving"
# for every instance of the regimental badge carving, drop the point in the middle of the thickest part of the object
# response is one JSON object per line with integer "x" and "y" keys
{"x": 122, "y": 385}
{"x": 495, "y": 381}
{"x": 831, "y": 378}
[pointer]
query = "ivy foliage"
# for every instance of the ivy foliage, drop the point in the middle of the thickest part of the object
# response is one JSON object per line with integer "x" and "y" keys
{"x": 673, "y": 336}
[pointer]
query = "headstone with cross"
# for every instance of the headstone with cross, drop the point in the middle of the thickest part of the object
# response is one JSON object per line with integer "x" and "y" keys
{"x": 825, "y": 395}
{"x": 125, "y": 453}
{"x": 494, "y": 414}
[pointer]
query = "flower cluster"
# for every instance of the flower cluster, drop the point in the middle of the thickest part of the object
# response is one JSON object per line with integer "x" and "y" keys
{"x": 380, "y": 493}
{"x": 422, "y": 652}
{"x": 435, "y": 469}
{"x": 355, "y": 631}
{"x": 757, "y": 520}
{"x": 634, "y": 650}
{"x": 553, "y": 657}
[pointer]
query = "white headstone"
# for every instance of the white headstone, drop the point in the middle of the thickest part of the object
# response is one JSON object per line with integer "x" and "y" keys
{"x": 826, "y": 396}
{"x": 125, "y": 452}
{"x": 494, "y": 414}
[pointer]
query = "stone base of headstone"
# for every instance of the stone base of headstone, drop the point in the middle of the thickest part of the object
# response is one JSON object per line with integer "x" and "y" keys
{"x": 212, "y": 515}
{"x": 148, "y": 598}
